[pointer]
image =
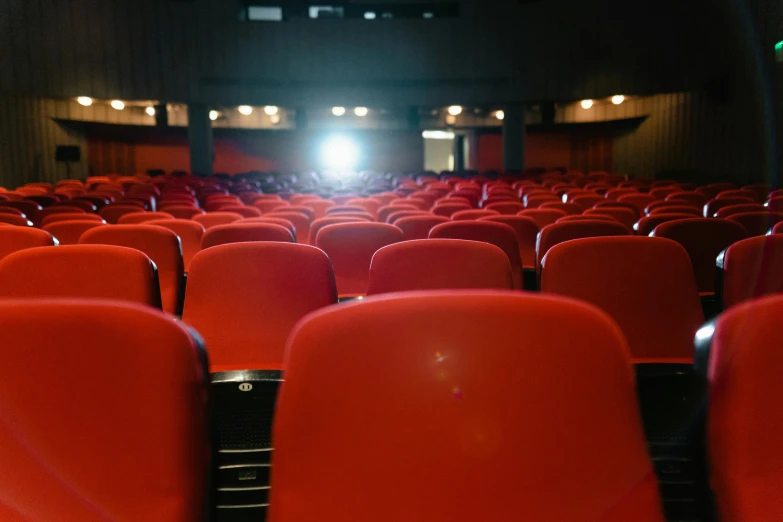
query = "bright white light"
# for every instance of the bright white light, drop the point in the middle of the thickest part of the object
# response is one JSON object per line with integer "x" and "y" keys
{"x": 150, "y": 111}
{"x": 339, "y": 152}
{"x": 245, "y": 110}
{"x": 275, "y": 119}
{"x": 618, "y": 99}
{"x": 370, "y": 15}
{"x": 586, "y": 104}
{"x": 500, "y": 115}
{"x": 84, "y": 100}
{"x": 361, "y": 111}
{"x": 213, "y": 115}
{"x": 338, "y": 111}
{"x": 271, "y": 110}
{"x": 117, "y": 104}
{"x": 455, "y": 110}
{"x": 705, "y": 332}
{"x": 437, "y": 135}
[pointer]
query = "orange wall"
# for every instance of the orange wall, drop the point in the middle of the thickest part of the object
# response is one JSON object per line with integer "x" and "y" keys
{"x": 575, "y": 150}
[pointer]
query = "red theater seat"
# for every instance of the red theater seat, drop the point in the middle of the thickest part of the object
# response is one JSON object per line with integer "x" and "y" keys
{"x": 677, "y": 209}
{"x": 692, "y": 198}
{"x": 137, "y": 218}
{"x": 300, "y": 221}
{"x": 582, "y": 217}
{"x": 565, "y": 231}
{"x": 506, "y": 208}
{"x": 435, "y": 264}
{"x": 449, "y": 452}
{"x": 472, "y": 214}
{"x": 498, "y": 234}
{"x": 419, "y": 227}
{"x": 54, "y": 218}
{"x": 189, "y": 233}
{"x": 14, "y": 239}
{"x": 161, "y": 245}
{"x": 757, "y": 223}
{"x": 715, "y": 205}
{"x": 318, "y": 206}
{"x": 242, "y": 210}
{"x": 449, "y": 209}
{"x": 526, "y": 230}
{"x": 639, "y": 201}
{"x": 18, "y": 221}
{"x": 543, "y": 217}
{"x": 245, "y": 232}
{"x": 118, "y": 273}
{"x": 571, "y": 209}
{"x": 113, "y": 212}
{"x": 751, "y": 269}
{"x": 213, "y": 219}
{"x": 623, "y": 215}
{"x": 385, "y": 211}
{"x": 69, "y": 232}
{"x": 740, "y": 209}
{"x": 350, "y": 246}
{"x": 647, "y": 224}
{"x": 125, "y": 387}
{"x": 320, "y": 223}
{"x": 182, "y": 211}
{"x": 394, "y": 216}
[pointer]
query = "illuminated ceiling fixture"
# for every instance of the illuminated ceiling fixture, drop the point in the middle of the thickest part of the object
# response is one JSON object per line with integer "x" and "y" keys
{"x": 500, "y": 115}
{"x": 451, "y": 120}
{"x": 117, "y": 104}
{"x": 338, "y": 111}
{"x": 275, "y": 119}
{"x": 618, "y": 99}
{"x": 370, "y": 15}
{"x": 84, "y": 100}
{"x": 437, "y": 135}
{"x": 455, "y": 110}
{"x": 213, "y": 115}
{"x": 271, "y": 110}
{"x": 586, "y": 104}
{"x": 245, "y": 110}
{"x": 361, "y": 111}
{"x": 150, "y": 111}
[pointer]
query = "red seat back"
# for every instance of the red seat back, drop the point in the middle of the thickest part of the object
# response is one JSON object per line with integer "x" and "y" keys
{"x": 15, "y": 238}
{"x": 137, "y": 218}
{"x": 647, "y": 224}
{"x": 419, "y": 227}
{"x": 189, "y": 233}
{"x": 565, "y": 231}
{"x": 757, "y": 223}
{"x": 245, "y": 232}
{"x": 751, "y": 269}
{"x": 69, "y": 232}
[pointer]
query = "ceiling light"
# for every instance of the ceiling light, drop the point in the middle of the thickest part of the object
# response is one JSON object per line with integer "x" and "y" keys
{"x": 213, "y": 115}
{"x": 370, "y": 15}
{"x": 271, "y": 110}
{"x": 437, "y": 135}
{"x": 338, "y": 111}
{"x": 275, "y": 119}
{"x": 150, "y": 111}
{"x": 361, "y": 111}
{"x": 618, "y": 99}
{"x": 451, "y": 120}
{"x": 500, "y": 115}
{"x": 117, "y": 104}
{"x": 455, "y": 110}
{"x": 586, "y": 104}
{"x": 245, "y": 110}
{"x": 84, "y": 100}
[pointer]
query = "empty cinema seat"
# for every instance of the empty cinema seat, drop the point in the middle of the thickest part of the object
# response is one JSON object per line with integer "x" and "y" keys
{"x": 244, "y": 299}
{"x": 299, "y": 220}
{"x": 71, "y": 217}
{"x": 245, "y": 232}
{"x": 189, "y": 233}
{"x": 743, "y": 363}
{"x": 160, "y": 244}
{"x": 69, "y": 232}
{"x": 757, "y": 223}
{"x": 436, "y": 264}
{"x": 647, "y": 224}
{"x": 213, "y": 219}
{"x": 89, "y": 271}
{"x": 467, "y": 215}
{"x": 418, "y": 227}
{"x": 113, "y": 212}
{"x": 623, "y": 215}
{"x": 500, "y": 433}
{"x": 543, "y": 217}
{"x": 117, "y": 427}
{"x": 14, "y": 238}
{"x": 565, "y": 231}
{"x": 137, "y": 218}
{"x": 320, "y": 223}
{"x": 498, "y": 234}
{"x": 526, "y": 230}
{"x": 350, "y": 246}
{"x": 18, "y": 221}
{"x": 749, "y": 269}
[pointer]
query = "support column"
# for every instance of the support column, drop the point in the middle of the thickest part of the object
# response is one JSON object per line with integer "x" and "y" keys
{"x": 200, "y": 139}
{"x": 514, "y": 137}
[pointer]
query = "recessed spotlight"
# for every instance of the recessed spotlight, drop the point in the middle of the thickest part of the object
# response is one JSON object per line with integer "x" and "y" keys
{"x": 84, "y": 100}
{"x": 455, "y": 110}
{"x": 213, "y": 115}
{"x": 245, "y": 110}
{"x": 338, "y": 111}
{"x": 361, "y": 111}
{"x": 275, "y": 119}
{"x": 271, "y": 110}
{"x": 500, "y": 115}
{"x": 117, "y": 104}
{"x": 370, "y": 15}
{"x": 618, "y": 99}
{"x": 586, "y": 104}
{"x": 150, "y": 111}
{"x": 451, "y": 119}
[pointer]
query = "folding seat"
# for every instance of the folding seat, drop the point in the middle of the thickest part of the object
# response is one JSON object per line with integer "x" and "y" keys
{"x": 762, "y": 190}
{"x": 418, "y": 227}
{"x": 147, "y": 202}
{"x": 55, "y": 210}
{"x": 500, "y": 198}
{"x": 774, "y": 204}
{"x": 298, "y": 199}
{"x": 350, "y": 246}
{"x": 55, "y": 218}
{"x": 340, "y": 209}
{"x": 660, "y": 193}
{"x": 623, "y": 215}
{"x": 713, "y": 189}
{"x": 245, "y": 232}
{"x": 113, "y": 212}
{"x": 449, "y": 209}
{"x": 43, "y": 200}
{"x": 569, "y": 208}
{"x": 472, "y": 214}
{"x": 448, "y": 453}
{"x": 80, "y": 271}
{"x": 161, "y": 245}
{"x": 586, "y": 202}
{"x": 319, "y": 206}
{"x": 614, "y": 194}
{"x": 703, "y": 239}
{"x": 429, "y": 198}
{"x": 242, "y": 210}
{"x": 640, "y": 201}
{"x": 757, "y": 223}
{"x": 535, "y": 200}
{"x": 318, "y": 224}
{"x": 300, "y": 221}
{"x": 543, "y": 217}
{"x": 582, "y": 217}
{"x": 452, "y": 199}
{"x": 78, "y": 203}
{"x": 394, "y": 216}
{"x": 125, "y": 387}
{"x": 621, "y": 204}
{"x": 305, "y": 211}
{"x": 749, "y": 269}
{"x": 510, "y": 208}
{"x": 213, "y": 219}
{"x": 681, "y": 209}
{"x": 498, "y": 234}
{"x": 97, "y": 200}
{"x": 189, "y": 233}
{"x": 267, "y": 197}
{"x": 647, "y": 224}
{"x": 69, "y": 232}
{"x": 775, "y": 194}
{"x": 19, "y": 221}
{"x": 739, "y": 209}
{"x": 182, "y": 211}
{"x": 473, "y": 197}
{"x": 565, "y": 231}
{"x": 668, "y": 204}
{"x": 12, "y": 211}
{"x": 777, "y": 229}
{"x": 385, "y": 211}
{"x": 421, "y": 204}
{"x": 692, "y": 198}
{"x": 29, "y": 208}
{"x": 368, "y": 204}
{"x": 385, "y": 198}
{"x": 753, "y": 196}
{"x": 15, "y": 238}
{"x": 269, "y": 205}
{"x": 137, "y": 218}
